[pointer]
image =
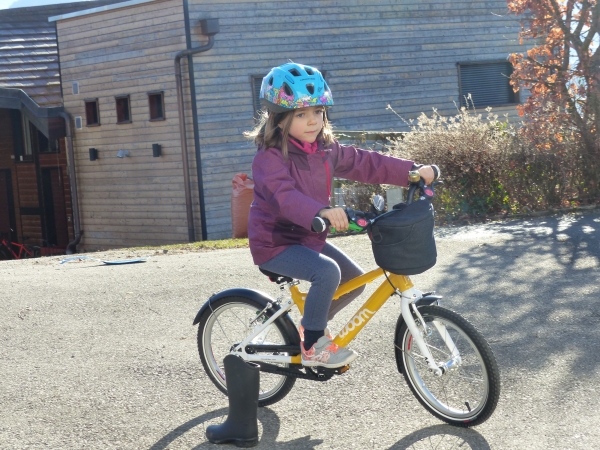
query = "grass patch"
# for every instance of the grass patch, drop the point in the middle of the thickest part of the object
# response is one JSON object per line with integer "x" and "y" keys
{"x": 199, "y": 246}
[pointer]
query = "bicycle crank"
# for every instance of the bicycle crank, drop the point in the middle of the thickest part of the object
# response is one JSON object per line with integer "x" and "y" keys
{"x": 309, "y": 373}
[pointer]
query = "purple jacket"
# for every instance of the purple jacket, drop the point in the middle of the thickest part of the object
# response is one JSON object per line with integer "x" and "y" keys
{"x": 289, "y": 194}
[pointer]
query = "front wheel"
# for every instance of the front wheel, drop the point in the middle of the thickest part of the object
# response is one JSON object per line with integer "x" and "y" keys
{"x": 467, "y": 393}
{"x": 226, "y": 323}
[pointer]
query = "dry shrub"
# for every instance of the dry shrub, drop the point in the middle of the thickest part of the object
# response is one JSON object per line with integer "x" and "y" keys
{"x": 471, "y": 152}
{"x": 490, "y": 166}
{"x": 542, "y": 171}
{"x": 359, "y": 195}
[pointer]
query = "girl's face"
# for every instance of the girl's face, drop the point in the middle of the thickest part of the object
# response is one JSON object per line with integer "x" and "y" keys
{"x": 307, "y": 123}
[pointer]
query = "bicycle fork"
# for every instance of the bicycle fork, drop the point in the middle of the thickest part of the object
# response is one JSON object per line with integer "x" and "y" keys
{"x": 408, "y": 299}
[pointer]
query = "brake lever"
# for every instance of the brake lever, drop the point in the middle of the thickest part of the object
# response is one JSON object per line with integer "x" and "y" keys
{"x": 428, "y": 192}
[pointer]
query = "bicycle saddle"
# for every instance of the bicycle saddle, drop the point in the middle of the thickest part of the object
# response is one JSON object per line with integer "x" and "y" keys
{"x": 275, "y": 277}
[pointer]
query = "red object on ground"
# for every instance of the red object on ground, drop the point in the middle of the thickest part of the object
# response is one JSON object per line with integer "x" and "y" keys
{"x": 242, "y": 196}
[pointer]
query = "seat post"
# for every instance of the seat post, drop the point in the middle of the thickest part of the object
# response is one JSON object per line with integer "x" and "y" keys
{"x": 298, "y": 297}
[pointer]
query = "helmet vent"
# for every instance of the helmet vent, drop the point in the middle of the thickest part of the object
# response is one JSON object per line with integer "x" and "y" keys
{"x": 295, "y": 72}
{"x": 310, "y": 88}
{"x": 271, "y": 81}
{"x": 288, "y": 90}
{"x": 309, "y": 70}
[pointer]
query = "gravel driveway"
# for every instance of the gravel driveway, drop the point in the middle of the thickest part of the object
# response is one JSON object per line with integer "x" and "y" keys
{"x": 94, "y": 356}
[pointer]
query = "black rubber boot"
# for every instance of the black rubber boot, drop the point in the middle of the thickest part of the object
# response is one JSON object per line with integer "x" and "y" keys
{"x": 241, "y": 426}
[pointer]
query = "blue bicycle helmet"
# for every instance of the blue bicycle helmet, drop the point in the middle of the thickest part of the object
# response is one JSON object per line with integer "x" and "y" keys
{"x": 292, "y": 86}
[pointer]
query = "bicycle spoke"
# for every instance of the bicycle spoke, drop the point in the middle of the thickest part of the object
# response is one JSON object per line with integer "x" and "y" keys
{"x": 227, "y": 327}
{"x": 225, "y": 334}
{"x": 439, "y": 350}
{"x": 461, "y": 392}
{"x": 470, "y": 379}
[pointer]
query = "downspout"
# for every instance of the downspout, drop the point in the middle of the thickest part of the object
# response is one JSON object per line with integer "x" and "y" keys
{"x": 72, "y": 246}
{"x": 209, "y": 28}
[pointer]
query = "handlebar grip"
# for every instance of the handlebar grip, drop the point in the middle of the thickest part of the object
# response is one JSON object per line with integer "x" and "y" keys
{"x": 319, "y": 224}
{"x": 436, "y": 172}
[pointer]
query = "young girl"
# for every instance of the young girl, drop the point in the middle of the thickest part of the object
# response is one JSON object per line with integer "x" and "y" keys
{"x": 296, "y": 161}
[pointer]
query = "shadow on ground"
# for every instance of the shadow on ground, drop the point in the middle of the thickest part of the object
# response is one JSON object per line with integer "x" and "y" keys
{"x": 543, "y": 309}
{"x": 270, "y": 430}
{"x": 442, "y": 437}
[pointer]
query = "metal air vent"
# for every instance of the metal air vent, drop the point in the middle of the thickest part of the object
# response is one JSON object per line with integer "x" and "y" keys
{"x": 75, "y": 86}
{"x": 78, "y": 123}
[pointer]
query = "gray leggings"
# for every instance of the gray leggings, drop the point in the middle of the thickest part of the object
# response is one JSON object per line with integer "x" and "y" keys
{"x": 325, "y": 271}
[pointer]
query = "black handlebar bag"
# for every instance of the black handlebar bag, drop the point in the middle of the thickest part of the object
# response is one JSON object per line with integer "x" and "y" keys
{"x": 402, "y": 239}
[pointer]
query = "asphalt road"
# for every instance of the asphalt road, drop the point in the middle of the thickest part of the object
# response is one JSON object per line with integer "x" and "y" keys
{"x": 104, "y": 357}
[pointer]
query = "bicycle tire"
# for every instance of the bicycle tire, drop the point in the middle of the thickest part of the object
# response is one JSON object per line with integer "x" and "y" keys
{"x": 5, "y": 254}
{"x": 464, "y": 396}
{"x": 227, "y": 323}
{"x": 27, "y": 252}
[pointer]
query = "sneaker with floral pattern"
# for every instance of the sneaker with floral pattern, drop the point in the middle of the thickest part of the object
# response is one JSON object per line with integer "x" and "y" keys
{"x": 327, "y": 354}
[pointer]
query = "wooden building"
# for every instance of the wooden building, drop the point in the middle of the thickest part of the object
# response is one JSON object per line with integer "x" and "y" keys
{"x": 35, "y": 193}
{"x": 118, "y": 72}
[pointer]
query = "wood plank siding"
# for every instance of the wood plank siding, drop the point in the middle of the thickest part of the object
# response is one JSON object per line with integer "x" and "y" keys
{"x": 398, "y": 52}
{"x": 137, "y": 199}
{"x": 379, "y": 52}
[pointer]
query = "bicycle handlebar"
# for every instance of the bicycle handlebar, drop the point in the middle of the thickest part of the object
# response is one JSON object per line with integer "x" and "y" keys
{"x": 359, "y": 220}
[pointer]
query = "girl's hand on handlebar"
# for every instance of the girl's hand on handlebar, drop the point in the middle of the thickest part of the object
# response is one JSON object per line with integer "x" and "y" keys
{"x": 336, "y": 216}
{"x": 427, "y": 174}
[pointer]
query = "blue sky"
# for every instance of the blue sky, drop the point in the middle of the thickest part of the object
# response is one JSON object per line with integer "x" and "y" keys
{"x": 4, "y": 4}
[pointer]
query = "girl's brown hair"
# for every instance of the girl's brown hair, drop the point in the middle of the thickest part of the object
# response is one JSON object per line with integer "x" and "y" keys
{"x": 268, "y": 132}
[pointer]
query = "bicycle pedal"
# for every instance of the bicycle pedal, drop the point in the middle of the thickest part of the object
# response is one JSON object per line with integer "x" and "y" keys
{"x": 322, "y": 371}
{"x": 344, "y": 369}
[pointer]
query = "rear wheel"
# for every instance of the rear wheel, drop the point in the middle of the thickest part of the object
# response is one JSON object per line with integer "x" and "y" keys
{"x": 226, "y": 323}
{"x": 467, "y": 393}
{"x": 4, "y": 253}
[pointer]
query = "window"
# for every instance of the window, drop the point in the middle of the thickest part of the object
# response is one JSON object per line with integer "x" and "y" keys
{"x": 28, "y": 132}
{"x": 44, "y": 144}
{"x": 487, "y": 83}
{"x": 156, "y": 103}
{"x": 20, "y": 134}
{"x": 35, "y": 140}
{"x": 92, "y": 115}
{"x": 123, "y": 112}
{"x": 28, "y": 139}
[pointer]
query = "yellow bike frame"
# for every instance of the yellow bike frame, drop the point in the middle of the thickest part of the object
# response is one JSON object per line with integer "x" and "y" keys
{"x": 366, "y": 311}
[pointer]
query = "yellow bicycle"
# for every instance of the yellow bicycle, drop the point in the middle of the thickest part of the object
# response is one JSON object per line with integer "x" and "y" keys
{"x": 446, "y": 362}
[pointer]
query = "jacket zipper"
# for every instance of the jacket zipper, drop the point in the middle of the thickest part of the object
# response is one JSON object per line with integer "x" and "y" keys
{"x": 328, "y": 176}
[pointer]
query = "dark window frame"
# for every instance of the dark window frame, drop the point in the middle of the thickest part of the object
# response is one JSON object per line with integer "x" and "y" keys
{"x": 90, "y": 101}
{"x": 46, "y": 146}
{"x": 163, "y": 115}
{"x": 118, "y": 99}
{"x": 20, "y": 127}
{"x": 502, "y": 83}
